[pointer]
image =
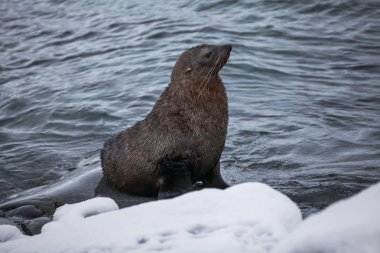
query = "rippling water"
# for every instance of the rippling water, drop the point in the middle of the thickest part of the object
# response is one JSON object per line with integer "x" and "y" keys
{"x": 303, "y": 83}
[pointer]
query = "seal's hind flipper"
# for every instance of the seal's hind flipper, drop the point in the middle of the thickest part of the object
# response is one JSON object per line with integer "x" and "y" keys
{"x": 176, "y": 174}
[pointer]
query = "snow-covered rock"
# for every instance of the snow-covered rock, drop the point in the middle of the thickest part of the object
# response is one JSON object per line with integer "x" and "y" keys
{"x": 249, "y": 217}
{"x": 68, "y": 215}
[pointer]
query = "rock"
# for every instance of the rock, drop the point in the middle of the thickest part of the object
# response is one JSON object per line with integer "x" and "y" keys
{"x": 33, "y": 227}
{"x": 28, "y": 211}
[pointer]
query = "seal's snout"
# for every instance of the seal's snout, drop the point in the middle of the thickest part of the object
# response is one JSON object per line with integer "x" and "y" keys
{"x": 225, "y": 53}
{"x": 228, "y": 47}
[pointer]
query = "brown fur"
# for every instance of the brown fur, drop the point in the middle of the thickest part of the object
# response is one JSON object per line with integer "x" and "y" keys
{"x": 189, "y": 120}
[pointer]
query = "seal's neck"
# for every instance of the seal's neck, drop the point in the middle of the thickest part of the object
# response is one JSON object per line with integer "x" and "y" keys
{"x": 203, "y": 89}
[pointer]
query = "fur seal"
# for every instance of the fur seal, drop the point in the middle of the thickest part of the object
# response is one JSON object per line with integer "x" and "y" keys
{"x": 181, "y": 140}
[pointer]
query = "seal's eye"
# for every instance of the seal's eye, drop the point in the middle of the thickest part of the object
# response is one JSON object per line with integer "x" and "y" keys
{"x": 208, "y": 54}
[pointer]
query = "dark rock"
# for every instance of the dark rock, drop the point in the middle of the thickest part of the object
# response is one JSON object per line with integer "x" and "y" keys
{"x": 5, "y": 221}
{"x": 28, "y": 211}
{"x": 33, "y": 227}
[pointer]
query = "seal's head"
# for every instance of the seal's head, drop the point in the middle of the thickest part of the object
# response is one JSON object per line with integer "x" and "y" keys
{"x": 200, "y": 62}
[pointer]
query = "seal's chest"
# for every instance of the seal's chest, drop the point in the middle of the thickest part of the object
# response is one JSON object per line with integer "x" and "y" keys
{"x": 211, "y": 130}
{"x": 212, "y": 118}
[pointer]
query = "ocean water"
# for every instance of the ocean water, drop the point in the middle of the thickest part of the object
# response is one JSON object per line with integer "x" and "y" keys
{"x": 303, "y": 83}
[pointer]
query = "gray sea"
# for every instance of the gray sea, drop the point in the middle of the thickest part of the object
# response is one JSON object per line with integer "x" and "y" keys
{"x": 303, "y": 83}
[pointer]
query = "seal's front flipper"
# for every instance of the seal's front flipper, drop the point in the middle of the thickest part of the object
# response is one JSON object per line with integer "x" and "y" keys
{"x": 198, "y": 186}
{"x": 214, "y": 179}
{"x": 176, "y": 177}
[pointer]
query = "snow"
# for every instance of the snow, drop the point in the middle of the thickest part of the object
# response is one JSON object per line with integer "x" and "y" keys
{"x": 69, "y": 215}
{"x": 250, "y": 217}
{"x": 351, "y": 225}
{"x": 244, "y": 218}
{"x": 9, "y": 232}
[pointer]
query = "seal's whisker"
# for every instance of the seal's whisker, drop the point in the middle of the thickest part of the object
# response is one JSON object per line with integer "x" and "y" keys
{"x": 205, "y": 82}
{"x": 206, "y": 77}
{"x": 209, "y": 76}
{"x": 210, "y": 72}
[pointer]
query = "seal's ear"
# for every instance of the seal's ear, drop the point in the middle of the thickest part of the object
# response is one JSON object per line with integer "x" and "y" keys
{"x": 188, "y": 70}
